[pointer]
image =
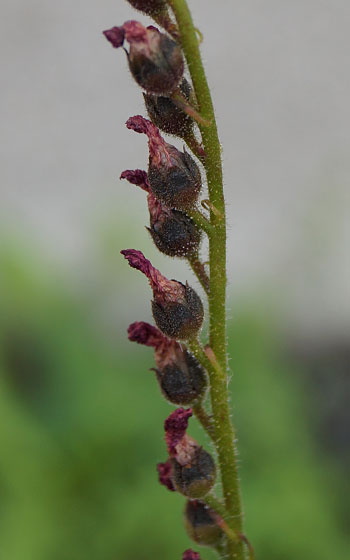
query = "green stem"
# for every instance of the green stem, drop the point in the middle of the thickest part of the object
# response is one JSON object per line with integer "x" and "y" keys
{"x": 224, "y": 432}
{"x": 200, "y": 220}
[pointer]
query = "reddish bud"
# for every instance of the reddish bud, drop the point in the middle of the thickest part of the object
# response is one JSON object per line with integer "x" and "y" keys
{"x": 149, "y": 7}
{"x": 177, "y": 309}
{"x": 174, "y": 176}
{"x": 155, "y": 60}
{"x": 193, "y": 468}
{"x": 167, "y": 116}
{"x": 190, "y": 555}
{"x": 200, "y": 524}
{"x": 165, "y": 475}
{"x": 180, "y": 376}
{"x": 173, "y": 232}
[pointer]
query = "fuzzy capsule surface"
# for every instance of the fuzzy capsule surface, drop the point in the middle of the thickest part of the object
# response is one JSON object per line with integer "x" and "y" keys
{"x": 173, "y": 232}
{"x": 180, "y": 319}
{"x": 184, "y": 381}
{"x": 177, "y": 185}
{"x": 196, "y": 478}
{"x": 181, "y": 377}
{"x": 167, "y": 116}
{"x": 200, "y": 525}
{"x": 149, "y": 7}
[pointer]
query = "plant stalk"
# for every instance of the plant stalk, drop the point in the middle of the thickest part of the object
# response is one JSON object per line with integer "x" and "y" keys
{"x": 224, "y": 432}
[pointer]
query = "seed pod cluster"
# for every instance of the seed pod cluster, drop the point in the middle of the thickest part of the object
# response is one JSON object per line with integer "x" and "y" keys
{"x": 173, "y": 184}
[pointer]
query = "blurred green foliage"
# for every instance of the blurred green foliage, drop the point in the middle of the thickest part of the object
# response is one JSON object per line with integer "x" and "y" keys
{"x": 81, "y": 430}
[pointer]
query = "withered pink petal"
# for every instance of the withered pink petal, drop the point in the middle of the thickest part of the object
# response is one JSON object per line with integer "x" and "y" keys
{"x": 175, "y": 427}
{"x": 136, "y": 177}
{"x": 146, "y": 334}
{"x": 167, "y": 290}
{"x": 159, "y": 149}
{"x": 115, "y": 36}
{"x": 190, "y": 555}
{"x": 165, "y": 475}
{"x": 135, "y": 31}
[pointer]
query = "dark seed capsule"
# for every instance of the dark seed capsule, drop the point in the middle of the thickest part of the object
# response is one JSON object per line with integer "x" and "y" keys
{"x": 175, "y": 235}
{"x": 155, "y": 60}
{"x": 174, "y": 177}
{"x": 200, "y": 525}
{"x": 157, "y": 69}
{"x": 149, "y": 7}
{"x": 166, "y": 115}
{"x": 179, "y": 319}
{"x": 195, "y": 479}
{"x": 177, "y": 185}
{"x": 184, "y": 381}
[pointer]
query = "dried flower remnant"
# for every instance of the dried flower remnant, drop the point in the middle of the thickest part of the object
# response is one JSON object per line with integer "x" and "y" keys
{"x": 190, "y": 555}
{"x": 180, "y": 376}
{"x": 155, "y": 60}
{"x": 165, "y": 471}
{"x": 200, "y": 524}
{"x": 174, "y": 176}
{"x": 173, "y": 232}
{"x": 193, "y": 468}
{"x": 177, "y": 309}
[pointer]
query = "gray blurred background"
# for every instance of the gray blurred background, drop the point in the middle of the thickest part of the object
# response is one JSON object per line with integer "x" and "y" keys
{"x": 279, "y": 73}
{"x": 80, "y": 415}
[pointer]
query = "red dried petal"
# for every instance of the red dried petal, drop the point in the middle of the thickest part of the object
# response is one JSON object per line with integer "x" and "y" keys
{"x": 115, "y": 36}
{"x": 136, "y": 177}
{"x": 175, "y": 427}
{"x": 165, "y": 475}
{"x": 190, "y": 555}
{"x": 135, "y": 32}
{"x": 159, "y": 150}
{"x": 144, "y": 333}
{"x": 163, "y": 289}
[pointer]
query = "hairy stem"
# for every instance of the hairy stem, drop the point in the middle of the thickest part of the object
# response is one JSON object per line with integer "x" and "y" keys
{"x": 224, "y": 432}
